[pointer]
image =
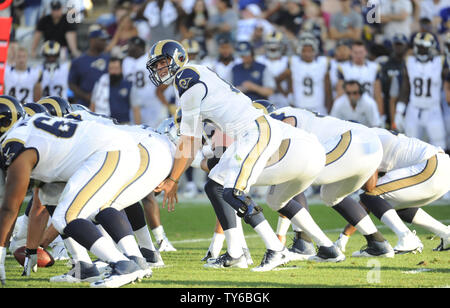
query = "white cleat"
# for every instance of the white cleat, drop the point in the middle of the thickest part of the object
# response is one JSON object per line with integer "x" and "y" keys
{"x": 273, "y": 259}
{"x": 445, "y": 242}
{"x": 225, "y": 260}
{"x": 123, "y": 272}
{"x": 59, "y": 252}
{"x": 165, "y": 245}
{"x": 408, "y": 242}
{"x": 80, "y": 272}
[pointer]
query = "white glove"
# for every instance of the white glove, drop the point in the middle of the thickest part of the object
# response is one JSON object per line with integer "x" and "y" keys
{"x": 399, "y": 116}
{"x": 2, "y": 265}
{"x": 30, "y": 263}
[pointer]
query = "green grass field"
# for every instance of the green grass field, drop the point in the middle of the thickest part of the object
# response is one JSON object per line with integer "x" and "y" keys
{"x": 191, "y": 226}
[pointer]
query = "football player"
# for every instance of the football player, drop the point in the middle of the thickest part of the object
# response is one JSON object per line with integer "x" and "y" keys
{"x": 418, "y": 110}
{"x": 308, "y": 74}
{"x": 276, "y": 62}
{"x": 54, "y": 77}
{"x": 143, "y": 93}
{"x": 204, "y": 96}
{"x": 415, "y": 174}
{"x": 363, "y": 70}
{"x": 353, "y": 154}
{"x": 284, "y": 185}
{"x": 108, "y": 163}
{"x": 21, "y": 80}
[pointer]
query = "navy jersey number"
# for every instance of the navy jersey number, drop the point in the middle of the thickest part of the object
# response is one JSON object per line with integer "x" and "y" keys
{"x": 56, "y": 127}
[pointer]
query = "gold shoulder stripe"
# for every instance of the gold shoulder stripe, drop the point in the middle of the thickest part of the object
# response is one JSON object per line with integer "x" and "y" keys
{"x": 425, "y": 174}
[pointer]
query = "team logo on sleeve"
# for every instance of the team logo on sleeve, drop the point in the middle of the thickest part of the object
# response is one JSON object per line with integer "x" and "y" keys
{"x": 184, "y": 83}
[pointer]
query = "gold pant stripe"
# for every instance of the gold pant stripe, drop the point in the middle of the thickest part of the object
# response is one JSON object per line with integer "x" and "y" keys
{"x": 279, "y": 155}
{"x": 145, "y": 160}
{"x": 93, "y": 185}
{"x": 339, "y": 149}
{"x": 255, "y": 153}
{"x": 425, "y": 174}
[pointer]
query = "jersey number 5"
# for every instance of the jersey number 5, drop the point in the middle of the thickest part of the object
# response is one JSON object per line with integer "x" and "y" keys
{"x": 58, "y": 128}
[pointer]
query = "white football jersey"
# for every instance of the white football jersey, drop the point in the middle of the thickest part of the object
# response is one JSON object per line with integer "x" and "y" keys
{"x": 400, "y": 151}
{"x": 62, "y": 144}
{"x": 144, "y": 91}
{"x": 20, "y": 84}
{"x": 366, "y": 74}
{"x": 276, "y": 68}
{"x": 365, "y": 112}
{"x": 308, "y": 82}
{"x": 425, "y": 81}
{"x": 54, "y": 82}
{"x": 224, "y": 70}
{"x": 324, "y": 127}
{"x": 204, "y": 96}
{"x": 334, "y": 65}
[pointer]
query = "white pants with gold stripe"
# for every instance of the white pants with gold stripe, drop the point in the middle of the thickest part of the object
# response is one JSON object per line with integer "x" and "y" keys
{"x": 244, "y": 160}
{"x": 111, "y": 179}
{"x": 417, "y": 185}
{"x": 351, "y": 160}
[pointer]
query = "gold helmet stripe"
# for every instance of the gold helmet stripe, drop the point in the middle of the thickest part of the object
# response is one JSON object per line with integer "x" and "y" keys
{"x": 260, "y": 106}
{"x": 29, "y": 111}
{"x": 53, "y": 103}
{"x": 13, "y": 109}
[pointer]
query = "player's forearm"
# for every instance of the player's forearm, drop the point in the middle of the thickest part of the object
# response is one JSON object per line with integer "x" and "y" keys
{"x": 37, "y": 222}
{"x": 184, "y": 156}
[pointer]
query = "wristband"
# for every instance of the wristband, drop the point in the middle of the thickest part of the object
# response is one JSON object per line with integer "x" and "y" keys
{"x": 173, "y": 180}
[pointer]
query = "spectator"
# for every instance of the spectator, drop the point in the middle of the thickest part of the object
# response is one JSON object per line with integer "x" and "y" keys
{"x": 87, "y": 69}
{"x": 290, "y": 16}
{"x": 251, "y": 18}
{"x": 396, "y": 17}
{"x": 224, "y": 22}
{"x": 346, "y": 24}
{"x": 225, "y": 61}
{"x": 251, "y": 77}
{"x": 356, "y": 105}
{"x": 164, "y": 18}
{"x": 431, "y": 9}
{"x": 315, "y": 22}
{"x": 111, "y": 95}
{"x": 55, "y": 27}
{"x": 31, "y": 12}
{"x": 195, "y": 26}
{"x": 124, "y": 32}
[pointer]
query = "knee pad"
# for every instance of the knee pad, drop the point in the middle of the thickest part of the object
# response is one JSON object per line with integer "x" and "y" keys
{"x": 243, "y": 204}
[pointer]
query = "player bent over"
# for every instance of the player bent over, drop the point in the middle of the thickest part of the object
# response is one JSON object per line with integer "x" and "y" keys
{"x": 415, "y": 174}
{"x": 103, "y": 171}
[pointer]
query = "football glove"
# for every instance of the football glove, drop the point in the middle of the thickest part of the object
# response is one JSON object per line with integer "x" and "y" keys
{"x": 30, "y": 263}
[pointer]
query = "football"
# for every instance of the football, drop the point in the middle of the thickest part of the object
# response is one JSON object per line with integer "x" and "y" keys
{"x": 45, "y": 259}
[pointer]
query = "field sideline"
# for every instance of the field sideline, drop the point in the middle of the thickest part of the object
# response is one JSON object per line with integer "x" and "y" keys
{"x": 190, "y": 228}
